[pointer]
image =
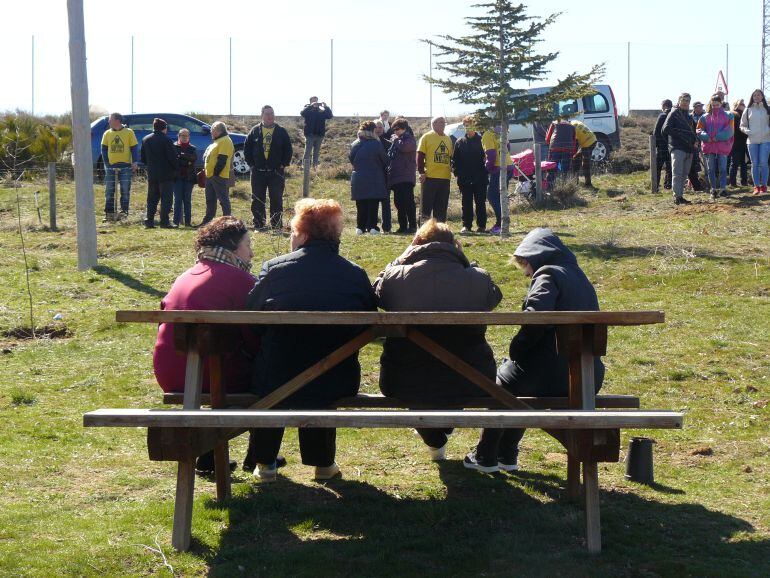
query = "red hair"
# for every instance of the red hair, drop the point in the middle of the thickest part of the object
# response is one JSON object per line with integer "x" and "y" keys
{"x": 318, "y": 219}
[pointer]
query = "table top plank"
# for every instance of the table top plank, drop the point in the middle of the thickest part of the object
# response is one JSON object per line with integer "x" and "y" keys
{"x": 406, "y": 318}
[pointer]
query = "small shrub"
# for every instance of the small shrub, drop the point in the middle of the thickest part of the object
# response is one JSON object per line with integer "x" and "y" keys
{"x": 21, "y": 397}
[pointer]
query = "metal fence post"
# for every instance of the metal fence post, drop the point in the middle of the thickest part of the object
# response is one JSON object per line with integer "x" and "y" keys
{"x": 52, "y": 196}
{"x": 653, "y": 165}
{"x": 539, "y": 193}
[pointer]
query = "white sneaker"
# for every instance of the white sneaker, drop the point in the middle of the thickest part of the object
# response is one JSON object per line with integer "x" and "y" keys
{"x": 359, "y": 232}
{"x": 266, "y": 472}
{"x": 327, "y": 473}
{"x": 374, "y": 232}
{"x": 437, "y": 454}
{"x": 464, "y": 230}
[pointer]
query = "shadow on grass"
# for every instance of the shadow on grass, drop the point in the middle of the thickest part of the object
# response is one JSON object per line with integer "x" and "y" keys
{"x": 128, "y": 281}
{"x": 609, "y": 251}
{"x": 499, "y": 525}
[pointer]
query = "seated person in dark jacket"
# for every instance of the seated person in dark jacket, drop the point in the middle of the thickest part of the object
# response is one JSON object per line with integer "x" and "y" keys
{"x": 313, "y": 277}
{"x": 433, "y": 274}
{"x": 535, "y": 368}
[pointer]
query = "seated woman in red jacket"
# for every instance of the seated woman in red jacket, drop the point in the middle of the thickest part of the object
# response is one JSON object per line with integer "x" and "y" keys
{"x": 220, "y": 279}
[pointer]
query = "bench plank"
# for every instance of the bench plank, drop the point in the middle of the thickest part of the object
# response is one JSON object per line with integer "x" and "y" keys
{"x": 410, "y": 318}
{"x": 374, "y": 401}
{"x": 230, "y": 418}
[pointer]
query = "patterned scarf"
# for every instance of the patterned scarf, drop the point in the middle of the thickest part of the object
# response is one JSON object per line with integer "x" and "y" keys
{"x": 222, "y": 255}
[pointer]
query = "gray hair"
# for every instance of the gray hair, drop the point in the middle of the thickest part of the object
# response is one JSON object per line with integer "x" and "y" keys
{"x": 378, "y": 122}
{"x": 435, "y": 119}
{"x": 219, "y": 128}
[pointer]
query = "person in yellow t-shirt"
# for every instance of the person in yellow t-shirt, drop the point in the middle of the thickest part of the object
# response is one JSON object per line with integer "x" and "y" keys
{"x": 490, "y": 142}
{"x": 434, "y": 163}
{"x": 120, "y": 152}
{"x": 586, "y": 141}
{"x": 217, "y": 161}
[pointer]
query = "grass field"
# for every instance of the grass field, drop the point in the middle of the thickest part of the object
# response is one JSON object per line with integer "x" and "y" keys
{"x": 87, "y": 502}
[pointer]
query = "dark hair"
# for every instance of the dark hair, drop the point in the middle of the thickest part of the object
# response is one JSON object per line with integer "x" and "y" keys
{"x": 764, "y": 102}
{"x": 224, "y": 232}
{"x": 400, "y": 123}
{"x": 116, "y": 116}
{"x": 264, "y": 108}
{"x": 666, "y": 104}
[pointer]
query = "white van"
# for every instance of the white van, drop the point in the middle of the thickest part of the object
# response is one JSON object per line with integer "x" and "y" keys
{"x": 598, "y": 111}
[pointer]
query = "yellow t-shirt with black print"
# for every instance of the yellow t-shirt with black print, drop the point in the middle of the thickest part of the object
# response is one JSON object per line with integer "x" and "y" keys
{"x": 222, "y": 146}
{"x": 438, "y": 152}
{"x": 490, "y": 141}
{"x": 267, "y": 139}
{"x": 119, "y": 143}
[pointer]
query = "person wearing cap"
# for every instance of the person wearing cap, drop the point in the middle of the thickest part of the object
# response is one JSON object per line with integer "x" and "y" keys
{"x": 682, "y": 144}
{"x": 217, "y": 161}
{"x": 120, "y": 154}
{"x": 160, "y": 158}
{"x": 662, "y": 156}
{"x": 434, "y": 163}
{"x": 715, "y": 130}
{"x": 315, "y": 114}
{"x": 468, "y": 165}
{"x": 586, "y": 142}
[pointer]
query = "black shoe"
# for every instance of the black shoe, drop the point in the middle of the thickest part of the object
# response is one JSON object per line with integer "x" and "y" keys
{"x": 149, "y": 224}
{"x": 204, "y": 465}
{"x": 473, "y": 462}
{"x": 400, "y": 231}
{"x": 188, "y": 224}
{"x": 725, "y": 194}
{"x": 168, "y": 226}
{"x": 682, "y": 201}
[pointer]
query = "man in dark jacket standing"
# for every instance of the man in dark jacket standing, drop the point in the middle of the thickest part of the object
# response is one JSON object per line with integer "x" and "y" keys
{"x": 682, "y": 143}
{"x": 159, "y": 156}
{"x": 468, "y": 165}
{"x": 268, "y": 152}
{"x": 536, "y": 367}
{"x": 315, "y": 114}
{"x": 662, "y": 156}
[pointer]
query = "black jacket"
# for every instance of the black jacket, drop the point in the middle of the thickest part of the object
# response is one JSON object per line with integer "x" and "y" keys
{"x": 312, "y": 278}
{"x": 280, "y": 149}
{"x": 680, "y": 131}
{"x": 558, "y": 284}
{"x": 315, "y": 119}
{"x": 468, "y": 160}
{"x": 660, "y": 140}
{"x": 186, "y": 158}
{"x": 159, "y": 156}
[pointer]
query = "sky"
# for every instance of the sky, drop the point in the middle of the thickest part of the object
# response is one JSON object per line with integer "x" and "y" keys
{"x": 187, "y": 57}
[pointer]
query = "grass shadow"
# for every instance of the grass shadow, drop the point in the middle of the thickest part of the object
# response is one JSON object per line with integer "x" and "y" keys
{"x": 612, "y": 251}
{"x": 492, "y": 524}
{"x": 128, "y": 281}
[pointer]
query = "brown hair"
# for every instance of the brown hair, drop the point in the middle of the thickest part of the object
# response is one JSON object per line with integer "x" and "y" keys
{"x": 318, "y": 219}
{"x": 400, "y": 123}
{"x": 433, "y": 231}
{"x": 714, "y": 98}
{"x": 520, "y": 262}
{"x": 224, "y": 232}
{"x": 367, "y": 125}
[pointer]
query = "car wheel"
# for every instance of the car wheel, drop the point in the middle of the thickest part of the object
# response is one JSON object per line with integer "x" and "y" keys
{"x": 240, "y": 166}
{"x": 601, "y": 151}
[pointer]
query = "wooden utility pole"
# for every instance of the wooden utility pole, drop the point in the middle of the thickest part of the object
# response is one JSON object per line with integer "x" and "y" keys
{"x": 81, "y": 136}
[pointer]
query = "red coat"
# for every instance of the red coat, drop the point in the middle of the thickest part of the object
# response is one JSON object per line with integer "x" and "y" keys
{"x": 207, "y": 285}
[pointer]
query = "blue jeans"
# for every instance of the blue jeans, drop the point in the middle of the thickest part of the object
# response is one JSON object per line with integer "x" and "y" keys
{"x": 758, "y": 154}
{"x": 563, "y": 160}
{"x": 493, "y": 195}
{"x": 183, "y": 200}
{"x": 124, "y": 175}
{"x": 716, "y": 162}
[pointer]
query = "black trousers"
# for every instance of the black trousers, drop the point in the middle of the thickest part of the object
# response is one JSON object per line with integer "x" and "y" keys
{"x": 738, "y": 161}
{"x": 474, "y": 195}
{"x": 270, "y": 182}
{"x": 317, "y": 446}
{"x": 694, "y": 174}
{"x": 162, "y": 191}
{"x": 545, "y": 376}
{"x": 663, "y": 161}
{"x": 366, "y": 214}
{"x": 406, "y": 209}
{"x": 435, "y": 199}
{"x": 583, "y": 161}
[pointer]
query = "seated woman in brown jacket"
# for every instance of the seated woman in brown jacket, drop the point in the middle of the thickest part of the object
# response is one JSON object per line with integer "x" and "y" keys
{"x": 433, "y": 274}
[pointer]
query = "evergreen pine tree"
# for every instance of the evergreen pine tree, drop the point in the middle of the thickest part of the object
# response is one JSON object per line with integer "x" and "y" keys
{"x": 499, "y": 51}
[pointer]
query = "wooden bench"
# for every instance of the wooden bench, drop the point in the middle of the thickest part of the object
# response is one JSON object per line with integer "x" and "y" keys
{"x": 589, "y": 433}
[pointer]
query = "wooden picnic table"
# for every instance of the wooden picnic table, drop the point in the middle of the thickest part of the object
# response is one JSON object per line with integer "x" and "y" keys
{"x": 589, "y": 435}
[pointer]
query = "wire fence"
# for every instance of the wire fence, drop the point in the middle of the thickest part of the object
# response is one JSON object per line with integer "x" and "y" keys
{"x": 236, "y": 76}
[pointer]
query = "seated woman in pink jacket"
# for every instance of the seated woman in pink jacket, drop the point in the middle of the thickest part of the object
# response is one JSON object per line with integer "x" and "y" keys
{"x": 220, "y": 279}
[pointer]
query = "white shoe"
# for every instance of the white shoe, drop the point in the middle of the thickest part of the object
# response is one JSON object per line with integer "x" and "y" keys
{"x": 437, "y": 454}
{"x": 266, "y": 472}
{"x": 327, "y": 473}
{"x": 464, "y": 230}
{"x": 374, "y": 232}
{"x": 359, "y": 232}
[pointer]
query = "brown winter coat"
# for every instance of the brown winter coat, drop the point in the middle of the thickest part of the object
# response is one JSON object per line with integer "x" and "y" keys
{"x": 435, "y": 277}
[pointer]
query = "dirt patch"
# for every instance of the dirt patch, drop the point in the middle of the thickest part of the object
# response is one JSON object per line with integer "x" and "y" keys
{"x": 56, "y": 331}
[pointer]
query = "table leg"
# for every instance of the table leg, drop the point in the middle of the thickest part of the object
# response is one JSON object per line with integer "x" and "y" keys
{"x": 573, "y": 477}
{"x": 221, "y": 450}
{"x": 593, "y": 521}
{"x": 183, "y": 506}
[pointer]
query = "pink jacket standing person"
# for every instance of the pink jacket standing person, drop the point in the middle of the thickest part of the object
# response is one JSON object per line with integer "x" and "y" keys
{"x": 716, "y": 131}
